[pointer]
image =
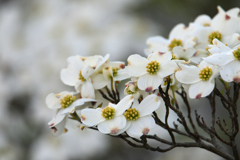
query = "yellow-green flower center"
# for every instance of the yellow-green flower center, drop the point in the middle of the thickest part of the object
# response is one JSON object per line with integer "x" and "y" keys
{"x": 152, "y": 67}
{"x": 129, "y": 91}
{"x": 205, "y": 73}
{"x": 115, "y": 71}
{"x": 174, "y": 43}
{"x": 81, "y": 78}
{"x": 236, "y": 54}
{"x": 67, "y": 101}
{"x": 214, "y": 35}
{"x": 206, "y": 24}
{"x": 174, "y": 57}
{"x": 108, "y": 112}
{"x": 131, "y": 114}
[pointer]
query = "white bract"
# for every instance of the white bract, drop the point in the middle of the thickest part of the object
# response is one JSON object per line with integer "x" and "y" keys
{"x": 151, "y": 70}
{"x": 63, "y": 104}
{"x": 228, "y": 59}
{"x": 139, "y": 119}
{"x": 79, "y": 71}
{"x": 109, "y": 120}
{"x": 201, "y": 78}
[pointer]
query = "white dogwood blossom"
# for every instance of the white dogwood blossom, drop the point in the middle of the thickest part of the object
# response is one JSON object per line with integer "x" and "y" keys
{"x": 228, "y": 59}
{"x": 63, "y": 104}
{"x": 201, "y": 78}
{"x": 79, "y": 71}
{"x": 109, "y": 120}
{"x": 151, "y": 70}
{"x": 139, "y": 119}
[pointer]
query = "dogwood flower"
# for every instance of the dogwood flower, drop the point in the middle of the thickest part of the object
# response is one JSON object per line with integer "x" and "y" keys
{"x": 201, "y": 78}
{"x": 63, "y": 104}
{"x": 79, "y": 71}
{"x": 178, "y": 37}
{"x": 109, "y": 120}
{"x": 151, "y": 70}
{"x": 139, "y": 119}
{"x": 228, "y": 59}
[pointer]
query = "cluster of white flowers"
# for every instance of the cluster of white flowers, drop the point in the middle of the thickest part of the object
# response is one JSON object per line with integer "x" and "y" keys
{"x": 193, "y": 57}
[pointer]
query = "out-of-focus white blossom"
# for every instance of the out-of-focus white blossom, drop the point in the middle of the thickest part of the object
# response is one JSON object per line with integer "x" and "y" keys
{"x": 201, "y": 78}
{"x": 151, "y": 70}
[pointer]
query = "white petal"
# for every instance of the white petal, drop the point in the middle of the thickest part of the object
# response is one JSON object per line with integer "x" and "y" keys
{"x": 232, "y": 40}
{"x": 157, "y": 43}
{"x": 117, "y": 64}
{"x": 59, "y": 128}
{"x": 136, "y": 65}
{"x": 59, "y": 116}
{"x": 148, "y": 105}
{"x": 124, "y": 104}
{"x": 231, "y": 72}
{"x": 108, "y": 73}
{"x": 188, "y": 74}
{"x": 220, "y": 59}
{"x": 52, "y": 101}
{"x": 112, "y": 126}
{"x": 224, "y": 23}
{"x": 75, "y": 62}
{"x": 91, "y": 117}
{"x": 141, "y": 126}
{"x": 70, "y": 76}
{"x": 198, "y": 56}
{"x": 87, "y": 71}
{"x": 149, "y": 82}
{"x": 201, "y": 89}
{"x": 93, "y": 61}
{"x": 183, "y": 53}
{"x": 178, "y": 32}
{"x": 121, "y": 75}
{"x": 218, "y": 47}
{"x": 99, "y": 81}
{"x": 87, "y": 90}
{"x": 161, "y": 57}
{"x": 167, "y": 69}
{"x": 104, "y": 60}
{"x": 203, "y": 20}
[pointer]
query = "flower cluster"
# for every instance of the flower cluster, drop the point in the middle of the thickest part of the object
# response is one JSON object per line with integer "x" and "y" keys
{"x": 192, "y": 59}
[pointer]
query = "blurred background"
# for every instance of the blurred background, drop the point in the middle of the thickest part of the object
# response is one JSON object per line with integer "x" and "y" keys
{"x": 36, "y": 38}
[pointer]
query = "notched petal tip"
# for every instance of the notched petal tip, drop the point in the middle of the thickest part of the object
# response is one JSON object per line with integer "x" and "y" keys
{"x": 199, "y": 96}
{"x": 227, "y": 17}
{"x": 122, "y": 66}
{"x": 83, "y": 118}
{"x": 236, "y": 79}
{"x": 145, "y": 131}
{"x": 149, "y": 89}
{"x": 54, "y": 129}
{"x": 114, "y": 130}
{"x": 161, "y": 53}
